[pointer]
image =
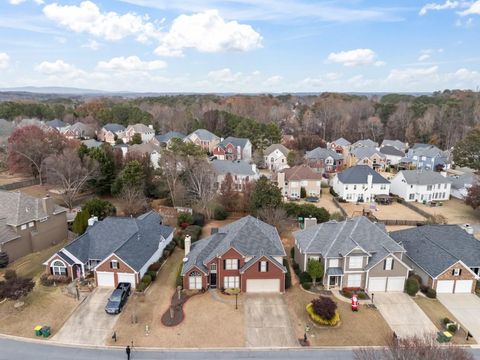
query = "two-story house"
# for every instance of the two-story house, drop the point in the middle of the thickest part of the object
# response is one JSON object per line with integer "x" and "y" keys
{"x": 233, "y": 148}
{"x": 110, "y": 133}
{"x": 57, "y": 124}
{"x": 369, "y": 156}
{"x": 247, "y": 254}
{"x": 426, "y": 157}
{"x": 203, "y": 138}
{"x": 116, "y": 249}
{"x": 355, "y": 253}
{"x": 166, "y": 139}
{"x": 293, "y": 179}
{"x": 364, "y": 143}
{"x": 360, "y": 184}
{"x": 149, "y": 149}
{"x": 241, "y": 171}
{"x": 340, "y": 146}
{"x": 397, "y": 144}
{"x": 392, "y": 155}
{"x": 324, "y": 161}
{"x": 147, "y": 133}
{"x": 275, "y": 157}
{"x": 78, "y": 130}
{"x": 421, "y": 185}
{"x": 29, "y": 224}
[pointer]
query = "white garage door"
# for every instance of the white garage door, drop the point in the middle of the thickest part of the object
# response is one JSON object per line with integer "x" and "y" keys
{"x": 378, "y": 284}
{"x": 463, "y": 286}
{"x": 105, "y": 279}
{"x": 263, "y": 285}
{"x": 445, "y": 286}
{"x": 396, "y": 283}
{"x": 127, "y": 278}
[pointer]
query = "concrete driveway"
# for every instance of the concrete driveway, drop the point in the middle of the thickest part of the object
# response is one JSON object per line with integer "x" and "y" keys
{"x": 89, "y": 324}
{"x": 267, "y": 321}
{"x": 466, "y": 308}
{"x": 403, "y": 315}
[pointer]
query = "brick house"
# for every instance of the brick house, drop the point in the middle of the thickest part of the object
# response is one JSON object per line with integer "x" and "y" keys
{"x": 203, "y": 138}
{"x": 110, "y": 133}
{"x": 324, "y": 161}
{"x": 29, "y": 224}
{"x": 369, "y": 156}
{"x": 233, "y": 148}
{"x": 355, "y": 253}
{"x": 147, "y": 133}
{"x": 241, "y": 171}
{"x": 340, "y": 146}
{"x": 246, "y": 254}
{"x": 446, "y": 257}
{"x": 115, "y": 250}
{"x": 78, "y": 130}
{"x": 293, "y": 179}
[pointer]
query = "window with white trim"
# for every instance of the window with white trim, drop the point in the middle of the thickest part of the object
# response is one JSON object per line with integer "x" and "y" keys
{"x": 59, "y": 268}
{"x": 388, "y": 265}
{"x": 231, "y": 264}
{"x": 355, "y": 262}
{"x": 411, "y": 196}
{"x": 263, "y": 266}
{"x": 457, "y": 272}
{"x": 23, "y": 227}
{"x": 333, "y": 263}
{"x": 31, "y": 224}
{"x": 231, "y": 282}
{"x": 114, "y": 264}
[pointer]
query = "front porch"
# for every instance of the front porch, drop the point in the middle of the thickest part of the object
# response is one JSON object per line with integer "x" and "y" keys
{"x": 334, "y": 278}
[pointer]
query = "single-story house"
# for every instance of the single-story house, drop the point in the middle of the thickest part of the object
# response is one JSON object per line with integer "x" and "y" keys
{"x": 247, "y": 254}
{"x": 446, "y": 257}
{"x": 116, "y": 249}
{"x": 355, "y": 253}
{"x": 421, "y": 185}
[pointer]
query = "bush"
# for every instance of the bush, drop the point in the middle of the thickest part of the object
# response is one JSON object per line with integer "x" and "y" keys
{"x": 14, "y": 287}
{"x": 60, "y": 279}
{"x": 198, "y": 219}
{"x": 431, "y": 293}
{"x": 100, "y": 208}
{"x": 337, "y": 216}
{"x": 179, "y": 279}
{"x": 307, "y": 285}
{"x": 325, "y": 307}
{"x": 288, "y": 275}
{"x": 219, "y": 213}
{"x": 155, "y": 266}
{"x": 10, "y": 275}
{"x": 194, "y": 231}
{"x": 3, "y": 259}
{"x": 412, "y": 286}
{"x": 319, "y": 319}
{"x": 362, "y": 295}
{"x": 292, "y": 252}
{"x": 152, "y": 274}
{"x": 184, "y": 218}
{"x": 419, "y": 279}
{"x": 141, "y": 287}
{"x": 303, "y": 192}
{"x": 147, "y": 279}
{"x": 46, "y": 280}
{"x": 305, "y": 277}
{"x": 307, "y": 210}
{"x": 296, "y": 268}
{"x": 179, "y": 240}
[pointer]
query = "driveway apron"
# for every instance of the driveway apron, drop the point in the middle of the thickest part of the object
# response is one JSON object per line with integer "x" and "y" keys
{"x": 466, "y": 309}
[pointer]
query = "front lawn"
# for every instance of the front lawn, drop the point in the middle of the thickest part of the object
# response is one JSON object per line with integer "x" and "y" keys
{"x": 363, "y": 328}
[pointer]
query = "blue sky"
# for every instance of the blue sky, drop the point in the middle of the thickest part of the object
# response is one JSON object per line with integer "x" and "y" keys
{"x": 241, "y": 45}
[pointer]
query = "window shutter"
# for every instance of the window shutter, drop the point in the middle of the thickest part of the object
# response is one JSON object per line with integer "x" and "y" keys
{"x": 259, "y": 266}
{"x": 460, "y": 272}
{"x": 238, "y": 264}
{"x": 111, "y": 266}
{"x": 384, "y": 264}
{"x": 224, "y": 264}
{"x": 393, "y": 263}
{"x": 267, "y": 265}
{"x": 453, "y": 272}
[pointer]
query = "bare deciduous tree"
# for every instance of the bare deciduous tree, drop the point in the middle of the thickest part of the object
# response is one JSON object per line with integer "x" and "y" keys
{"x": 201, "y": 184}
{"x": 71, "y": 173}
{"x": 134, "y": 200}
{"x": 277, "y": 217}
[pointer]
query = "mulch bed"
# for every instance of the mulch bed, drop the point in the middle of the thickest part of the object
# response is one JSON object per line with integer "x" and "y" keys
{"x": 178, "y": 314}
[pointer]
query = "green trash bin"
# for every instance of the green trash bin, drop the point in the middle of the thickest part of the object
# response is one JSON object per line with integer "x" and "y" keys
{"x": 38, "y": 330}
{"x": 46, "y": 331}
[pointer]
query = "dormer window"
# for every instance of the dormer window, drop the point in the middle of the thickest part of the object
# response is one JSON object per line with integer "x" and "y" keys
{"x": 263, "y": 266}
{"x": 457, "y": 272}
{"x": 388, "y": 264}
{"x": 114, "y": 264}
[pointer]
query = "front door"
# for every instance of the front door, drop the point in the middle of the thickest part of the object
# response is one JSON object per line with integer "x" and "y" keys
{"x": 213, "y": 276}
{"x": 333, "y": 280}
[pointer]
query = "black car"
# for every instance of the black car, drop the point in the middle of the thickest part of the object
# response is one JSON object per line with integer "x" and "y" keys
{"x": 312, "y": 199}
{"x": 118, "y": 299}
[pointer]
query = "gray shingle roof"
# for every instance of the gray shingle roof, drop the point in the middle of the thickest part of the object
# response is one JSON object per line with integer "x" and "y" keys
{"x": 112, "y": 127}
{"x": 358, "y": 175}
{"x": 6, "y": 232}
{"x": 56, "y": 123}
{"x": 274, "y": 147}
{"x": 242, "y": 142}
{"x": 342, "y": 142}
{"x": 365, "y": 143}
{"x": 322, "y": 153}
{"x": 459, "y": 182}
{"x": 19, "y": 208}
{"x": 169, "y": 136}
{"x": 334, "y": 271}
{"x": 238, "y": 167}
{"x": 248, "y": 235}
{"x": 397, "y": 144}
{"x": 419, "y": 177}
{"x": 134, "y": 240}
{"x": 434, "y": 248}
{"x": 254, "y": 259}
{"x": 205, "y": 135}
{"x": 426, "y": 150}
{"x": 366, "y": 152}
{"x": 334, "y": 239}
{"x": 391, "y": 150}
{"x": 92, "y": 143}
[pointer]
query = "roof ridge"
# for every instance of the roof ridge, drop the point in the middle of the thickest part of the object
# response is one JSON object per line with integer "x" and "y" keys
{"x": 336, "y": 237}
{"x": 437, "y": 245}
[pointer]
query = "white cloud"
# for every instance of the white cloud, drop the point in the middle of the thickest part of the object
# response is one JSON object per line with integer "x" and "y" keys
{"x": 412, "y": 74}
{"x": 130, "y": 64}
{"x": 4, "y": 60}
{"x": 92, "y": 45}
{"x": 473, "y": 9}
{"x": 16, "y": 2}
{"x": 355, "y": 57}
{"x": 224, "y": 75}
{"x": 449, "y": 4}
{"x": 273, "y": 80}
{"x": 207, "y": 32}
{"x": 55, "y": 67}
{"x": 424, "y": 57}
{"x": 87, "y": 18}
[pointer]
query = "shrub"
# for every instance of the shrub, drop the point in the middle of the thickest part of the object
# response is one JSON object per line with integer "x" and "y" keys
{"x": 179, "y": 279}
{"x": 152, "y": 274}
{"x": 198, "y": 219}
{"x": 46, "y": 280}
{"x": 307, "y": 285}
{"x": 419, "y": 279}
{"x": 185, "y": 218}
{"x": 319, "y": 320}
{"x": 337, "y": 216}
{"x": 324, "y": 307}
{"x": 14, "y": 288}
{"x": 305, "y": 277}
{"x": 412, "y": 286}
{"x": 60, "y": 279}
{"x": 194, "y": 231}
{"x": 179, "y": 240}
{"x": 219, "y": 213}
{"x": 3, "y": 259}
{"x": 141, "y": 287}
{"x": 303, "y": 192}
{"x": 362, "y": 295}
{"x": 288, "y": 275}
{"x": 431, "y": 293}
{"x": 10, "y": 275}
{"x": 452, "y": 328}
{"x": 296, "y": 268}
{"x": 147, "y": 279}
{"x": 292, "y": 252}
{"x": 347, "y": 294}
{"x": 155, "y": 266}
{"x": 307, "y": 210}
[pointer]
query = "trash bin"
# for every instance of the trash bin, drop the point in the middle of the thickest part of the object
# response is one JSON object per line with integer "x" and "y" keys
{"x": 38, "y": 330}
{"x": 46, "y": 331}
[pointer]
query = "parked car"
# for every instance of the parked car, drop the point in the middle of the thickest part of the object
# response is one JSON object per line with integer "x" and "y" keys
{"x": 118, "y": 299}
{"x": 312, "y": 199}
{"x": 293, "y": 198}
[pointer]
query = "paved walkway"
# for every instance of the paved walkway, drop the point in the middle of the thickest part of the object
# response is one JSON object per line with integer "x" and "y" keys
{"x": 224, "y": 299}
{"x": 340, "y": 297}
{"x": 267, "y": 322}
{"x": 403, "y": 315}
{"x": 466, "y": 308}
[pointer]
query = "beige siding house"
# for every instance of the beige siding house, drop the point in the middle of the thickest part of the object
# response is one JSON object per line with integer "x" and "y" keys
{"x": 292, "y": 180}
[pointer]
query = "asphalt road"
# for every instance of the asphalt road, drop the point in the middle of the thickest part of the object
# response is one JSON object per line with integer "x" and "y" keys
{"x": 12, "y": 350}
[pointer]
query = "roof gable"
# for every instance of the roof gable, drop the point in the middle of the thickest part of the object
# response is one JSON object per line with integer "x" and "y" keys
{"x": 358, "y": 175}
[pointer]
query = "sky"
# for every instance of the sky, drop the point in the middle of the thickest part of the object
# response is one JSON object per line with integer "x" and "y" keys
{"x": 241, "y": 45}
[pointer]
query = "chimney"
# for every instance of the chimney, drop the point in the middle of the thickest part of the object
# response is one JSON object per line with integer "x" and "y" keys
{"x": 48, "y": 204}
{"x": 309, "y": 222}
{"x": 150, "y": 126}
{"x": 92, "y": 220}
{"x": 369, "y": 180}
{"x": 254, "y": 168}
{"x": 188, "y": 244}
